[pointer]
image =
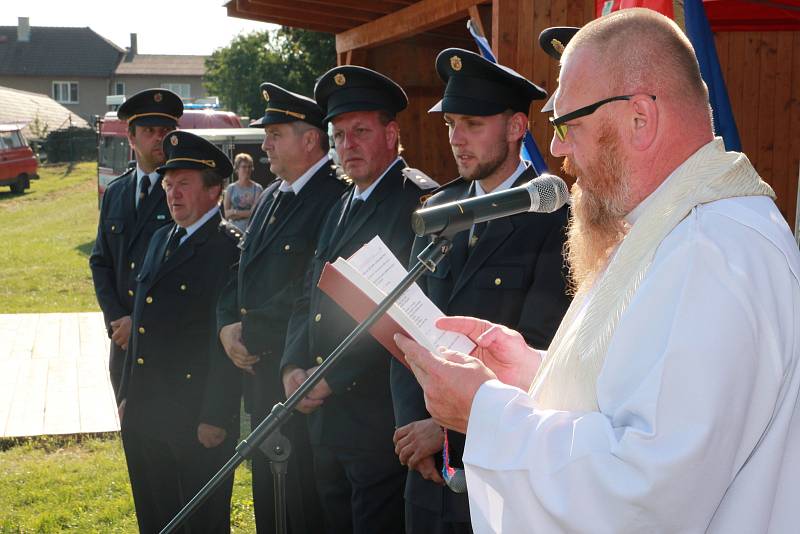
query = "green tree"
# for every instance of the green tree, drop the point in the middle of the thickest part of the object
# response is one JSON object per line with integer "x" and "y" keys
{"x": 290, "y": 57}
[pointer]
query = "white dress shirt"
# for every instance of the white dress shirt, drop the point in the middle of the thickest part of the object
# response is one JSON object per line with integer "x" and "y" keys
{"x": 364, "y": 195}
{"x": 192, "y": 228}
{"x": 298, "y": 184}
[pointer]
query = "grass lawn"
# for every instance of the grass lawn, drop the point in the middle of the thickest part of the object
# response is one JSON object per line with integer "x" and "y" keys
{"x": 48, "y": 234}
{"x": 72, "y": 484}
{"x": 80, "y": 484}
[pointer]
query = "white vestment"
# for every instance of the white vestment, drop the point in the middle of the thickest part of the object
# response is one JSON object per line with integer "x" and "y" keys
{"x": 698, "y": 428}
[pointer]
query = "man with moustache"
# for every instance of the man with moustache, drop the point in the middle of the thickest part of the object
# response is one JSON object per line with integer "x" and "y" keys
{"x": 133, "y": 208}
{"x": 179, "y": 396}
{"x": 254, "y": 308}
{"x": 668, "y": 399}
{"x": 351, "y": 423}
{"x": 508, "y": 271}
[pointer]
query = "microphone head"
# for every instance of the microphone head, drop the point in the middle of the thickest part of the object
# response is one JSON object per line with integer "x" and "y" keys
{"x": 548, "y": 193}
{"x": 458, "y": 482}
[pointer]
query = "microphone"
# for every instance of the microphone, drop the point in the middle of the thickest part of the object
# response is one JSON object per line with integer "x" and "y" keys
{"x": 457, "y": 482}
{"x": 544, "y": 194}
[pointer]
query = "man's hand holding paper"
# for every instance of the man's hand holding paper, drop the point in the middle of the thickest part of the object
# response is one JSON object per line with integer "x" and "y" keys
{"x": 501, "y": 349}
{"x": 451, "y": 379}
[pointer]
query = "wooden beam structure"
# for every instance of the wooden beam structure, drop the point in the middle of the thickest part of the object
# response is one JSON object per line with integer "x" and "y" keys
{"x": 246, "y": 9}
{"x": 414, "y": 19}
{"x": 314, "y": 11}
{"x": 377, "y": 7}
{"x": 401, "y": 38}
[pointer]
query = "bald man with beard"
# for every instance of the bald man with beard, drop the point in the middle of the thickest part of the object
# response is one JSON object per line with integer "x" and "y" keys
{"x": 668, "y": 399}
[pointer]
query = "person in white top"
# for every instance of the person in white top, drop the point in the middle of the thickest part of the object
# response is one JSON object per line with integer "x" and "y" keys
{"x": 668, "y": 400}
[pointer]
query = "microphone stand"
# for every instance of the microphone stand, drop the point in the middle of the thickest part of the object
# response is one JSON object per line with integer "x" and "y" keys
{"x": 428, "y": 259}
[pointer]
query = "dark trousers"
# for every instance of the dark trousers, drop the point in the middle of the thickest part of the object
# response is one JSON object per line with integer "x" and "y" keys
{"x": 116, "y": 361}
{"x": 167, "y": 471}
{"x": 420, "y": 520}
{"x": 303, "y": 509}
{"x": 361, "y": 490}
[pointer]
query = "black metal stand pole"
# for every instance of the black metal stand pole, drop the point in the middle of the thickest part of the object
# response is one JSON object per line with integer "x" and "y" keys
{"x": 277, "y": 448}
{"x": 281, "y": 412}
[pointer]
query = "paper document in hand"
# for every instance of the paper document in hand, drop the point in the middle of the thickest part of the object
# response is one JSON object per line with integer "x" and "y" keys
{"x": 375, "y": 271}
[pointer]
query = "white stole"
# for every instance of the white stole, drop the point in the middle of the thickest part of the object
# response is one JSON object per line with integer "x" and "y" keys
{"x": 567, "y": 379}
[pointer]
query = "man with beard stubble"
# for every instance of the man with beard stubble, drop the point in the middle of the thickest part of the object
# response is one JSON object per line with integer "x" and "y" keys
{"x": 133, "y": 208}
{"x": 668, "y": 399}
{"x": 508, "y": 271}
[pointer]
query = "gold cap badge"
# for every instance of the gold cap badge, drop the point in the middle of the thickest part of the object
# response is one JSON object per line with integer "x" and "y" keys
{"x": 157, "y": 97}
{"x": 173, "y": 140}
{"x": 339, "y": 79}
{"x": 455, "y": 63}
{"x": 557, "y": 45}
{"x": 265, "y": 94}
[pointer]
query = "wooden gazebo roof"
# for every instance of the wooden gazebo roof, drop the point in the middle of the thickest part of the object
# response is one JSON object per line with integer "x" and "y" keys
{"x": 760, "y": 65}
{"x": 360, "y": 24}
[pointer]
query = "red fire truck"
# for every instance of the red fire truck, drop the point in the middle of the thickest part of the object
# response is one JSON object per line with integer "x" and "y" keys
{"x": 223, "y": 128}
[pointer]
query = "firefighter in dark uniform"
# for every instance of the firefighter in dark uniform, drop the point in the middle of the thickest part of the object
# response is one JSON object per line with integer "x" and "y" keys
{"x": 351, "y": 421}
{"x": 508, "y": 271}
{"x": 133, "y": 208}
{"x": 179, "y": 395}
{"x": 255, "y": 306}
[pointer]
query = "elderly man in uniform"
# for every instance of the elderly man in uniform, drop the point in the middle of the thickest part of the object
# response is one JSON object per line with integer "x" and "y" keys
{"x": 508, "y": 271}
{"x": 179, "y": 397}
{"x": 669, "y": 398}
{"x": 359, "y": 478}
{"x": 254, "y": 308}
{"x": 133, "y": 208}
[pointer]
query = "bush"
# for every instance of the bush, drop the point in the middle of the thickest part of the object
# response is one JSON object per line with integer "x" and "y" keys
{"x": 71, "y": 144}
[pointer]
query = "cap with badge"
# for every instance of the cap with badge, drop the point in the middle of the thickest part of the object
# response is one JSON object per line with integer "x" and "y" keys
{"x": 351, "y": 88}
{"x": 186, "y": 150}
{"x": 476, "y": 86}
{"x": 553, "y": 41}
{"x": 285, "y": 106}
{"x": 152, "y": 107}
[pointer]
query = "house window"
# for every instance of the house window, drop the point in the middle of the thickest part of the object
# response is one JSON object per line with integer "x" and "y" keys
{"x": 119, "y": 88}
{"x": 65, "y": 92}
{"x": 183, "y": 90}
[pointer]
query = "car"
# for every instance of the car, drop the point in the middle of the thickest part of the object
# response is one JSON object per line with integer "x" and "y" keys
{"x": 18, "y": 163}
{"x": 223, "y": 128}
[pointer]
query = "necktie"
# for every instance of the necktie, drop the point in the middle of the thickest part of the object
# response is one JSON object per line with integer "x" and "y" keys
{"x": 174, "y": 242}
{"x": 352, "y": 210}
{"x": 282, "y": 203}
{"x": 144, "y": 187}
{"x": 477, "y": 232}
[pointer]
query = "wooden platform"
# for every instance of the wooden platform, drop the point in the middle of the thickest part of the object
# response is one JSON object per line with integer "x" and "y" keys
{"x": 53, "y": 375}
